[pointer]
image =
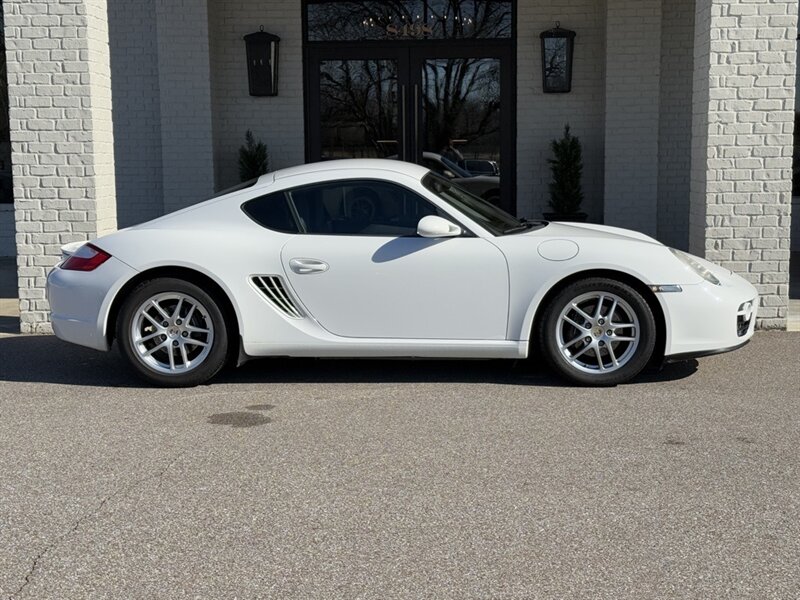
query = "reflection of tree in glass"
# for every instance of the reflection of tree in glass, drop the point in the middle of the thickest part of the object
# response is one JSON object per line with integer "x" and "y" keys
{"x": 461, "y": 100}
{"x": 358, "y": 102}
{"x": 555, "y": 68}
{"x": 470, "y": 18}
{"x": 445, "y": 19}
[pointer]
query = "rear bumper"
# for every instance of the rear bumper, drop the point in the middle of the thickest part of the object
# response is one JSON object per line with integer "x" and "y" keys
{"x": 80, "y": 302}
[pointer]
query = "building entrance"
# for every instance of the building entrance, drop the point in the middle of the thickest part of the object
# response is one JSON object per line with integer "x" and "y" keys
{"x": 398, "y": 92}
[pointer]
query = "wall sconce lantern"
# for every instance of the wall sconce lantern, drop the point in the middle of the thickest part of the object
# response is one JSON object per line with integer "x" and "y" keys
{"x": 557, "y": 48}
{"x": 262, "y": 63}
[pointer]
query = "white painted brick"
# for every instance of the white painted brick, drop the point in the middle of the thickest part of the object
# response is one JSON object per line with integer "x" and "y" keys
{"x": 278, "y": 120}
{"x": 37, "y": 121}
{"x": 137, "y": 111}
{"x": 675, "y": 120}
{"x": 541, "y": 117}
{"x": 762, "y": 197}
{"x": 632, "y": 91}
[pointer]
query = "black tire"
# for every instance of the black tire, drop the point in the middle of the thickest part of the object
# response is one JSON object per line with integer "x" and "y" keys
{"x": 208, "y": 315}
{"x": 596, "y": 357}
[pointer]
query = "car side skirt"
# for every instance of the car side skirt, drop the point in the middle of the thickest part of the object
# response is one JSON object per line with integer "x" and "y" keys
{"x": 380, "y": 348}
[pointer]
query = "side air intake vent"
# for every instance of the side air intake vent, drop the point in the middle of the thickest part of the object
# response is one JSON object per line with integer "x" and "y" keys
{"x": 274, "y": 291}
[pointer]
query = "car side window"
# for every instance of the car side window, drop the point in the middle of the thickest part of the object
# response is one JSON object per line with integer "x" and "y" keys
{"x": 272, "y": 211}
{"x": 360, "y": 207}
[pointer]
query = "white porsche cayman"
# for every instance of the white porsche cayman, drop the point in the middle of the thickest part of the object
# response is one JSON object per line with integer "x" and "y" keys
{"x": 378, "y": 258}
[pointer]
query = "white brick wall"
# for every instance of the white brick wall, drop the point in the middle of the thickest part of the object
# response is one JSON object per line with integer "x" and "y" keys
{"x": 541, "y": 117}
{"x": 633, "y": 65}
{"x": 743, "y": 122}
{"x": 278, "y": 121}
{"x": 137, "y": 110}
{"x": 675, "y": 122}
{"x": 184, "y": 84}
{"x": 61, "y": 136}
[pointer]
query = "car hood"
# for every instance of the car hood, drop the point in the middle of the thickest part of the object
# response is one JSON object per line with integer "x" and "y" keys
{"x": 588, "y": 230}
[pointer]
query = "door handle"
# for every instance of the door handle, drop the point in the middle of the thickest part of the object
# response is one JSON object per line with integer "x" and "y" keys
{"x": 308, "y": 266}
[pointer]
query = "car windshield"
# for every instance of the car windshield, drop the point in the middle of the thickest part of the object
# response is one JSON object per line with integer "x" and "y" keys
{"x": 491, "y": 218}
{"x": 459, "y": 171}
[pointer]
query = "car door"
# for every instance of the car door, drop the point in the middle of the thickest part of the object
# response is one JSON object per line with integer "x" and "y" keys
{"x": 362, "y": 272}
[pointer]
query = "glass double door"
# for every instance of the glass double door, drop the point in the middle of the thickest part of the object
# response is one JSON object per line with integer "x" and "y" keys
{"x": 440, "y": 105}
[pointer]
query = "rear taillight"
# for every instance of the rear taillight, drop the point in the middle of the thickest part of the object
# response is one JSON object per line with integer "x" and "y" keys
{"x": 86, "y": 258}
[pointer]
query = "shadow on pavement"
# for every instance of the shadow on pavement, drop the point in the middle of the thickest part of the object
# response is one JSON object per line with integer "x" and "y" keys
{"x": 45, "y": 359}
{"x": 9, "y": 324}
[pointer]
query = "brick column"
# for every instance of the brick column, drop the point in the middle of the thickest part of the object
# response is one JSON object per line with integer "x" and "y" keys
{"x": 61, "y": 136}
{"x": 742, "y": 146}
{"x": 633, "y": 65}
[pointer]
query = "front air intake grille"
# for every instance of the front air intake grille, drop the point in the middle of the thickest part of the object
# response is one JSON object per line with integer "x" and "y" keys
{"x": 271, "y": 286}
{"x": 744, "y": 317}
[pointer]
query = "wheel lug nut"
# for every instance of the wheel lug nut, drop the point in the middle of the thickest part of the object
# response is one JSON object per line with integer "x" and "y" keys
{"x": 588, "y": 340}
{"x": 164, "y": 324}
{"x": 175, "y": 343}
{"x": 609, "y": 333}
{"x": 602, "y": 321}
{"x": 185, "y": 334}
{"x": 178, "y": 322}
{"x": 601, "y": 344}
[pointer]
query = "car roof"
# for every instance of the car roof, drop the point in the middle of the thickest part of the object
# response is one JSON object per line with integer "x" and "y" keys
{"x": 377, "y": 164}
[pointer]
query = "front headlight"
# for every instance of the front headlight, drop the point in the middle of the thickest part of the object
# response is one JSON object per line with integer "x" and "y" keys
{"x": 689, "y": 260}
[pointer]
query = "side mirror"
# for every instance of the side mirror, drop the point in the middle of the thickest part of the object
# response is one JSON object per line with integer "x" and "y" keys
{"x": 437, "y": 227}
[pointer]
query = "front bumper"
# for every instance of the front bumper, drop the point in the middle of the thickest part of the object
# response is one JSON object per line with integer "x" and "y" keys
{"x": 707, "y": 319}
{"x": 80, "y": 301}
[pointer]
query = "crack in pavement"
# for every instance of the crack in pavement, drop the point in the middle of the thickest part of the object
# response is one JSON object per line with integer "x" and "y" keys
{"x": 122, "y": 492}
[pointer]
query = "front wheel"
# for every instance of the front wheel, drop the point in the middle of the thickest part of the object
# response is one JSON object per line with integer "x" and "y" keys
{"x": 597, "y": 332}
{"x": 172, "y": 333}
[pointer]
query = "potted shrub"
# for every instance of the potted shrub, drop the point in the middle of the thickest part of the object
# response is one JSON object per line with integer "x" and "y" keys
{"x": 253, "y": 158}
{"x": 566, "y": 192}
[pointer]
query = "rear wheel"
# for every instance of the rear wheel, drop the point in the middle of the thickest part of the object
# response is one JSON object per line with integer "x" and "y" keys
{"x": 172, "y": 333}
{"x": 597, "y": 332}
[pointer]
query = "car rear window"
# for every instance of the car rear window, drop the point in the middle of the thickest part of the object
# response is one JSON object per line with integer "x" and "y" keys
{"x": 271, "y": 211}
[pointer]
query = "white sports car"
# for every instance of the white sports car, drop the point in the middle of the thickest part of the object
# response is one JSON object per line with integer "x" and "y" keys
{"x": 378, "y": 258}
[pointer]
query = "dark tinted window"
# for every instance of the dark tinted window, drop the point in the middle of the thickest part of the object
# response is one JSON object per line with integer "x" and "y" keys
{"x": 363, "y": 207}
{"x": 271, "y": 211}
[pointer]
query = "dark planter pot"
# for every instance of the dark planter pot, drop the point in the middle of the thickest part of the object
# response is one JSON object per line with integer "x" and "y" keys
{"x": 568, "y": 217}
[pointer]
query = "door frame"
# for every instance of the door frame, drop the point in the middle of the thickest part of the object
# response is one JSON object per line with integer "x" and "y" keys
{"x": 411, "y": 54}
{"x": 320, "y": 52}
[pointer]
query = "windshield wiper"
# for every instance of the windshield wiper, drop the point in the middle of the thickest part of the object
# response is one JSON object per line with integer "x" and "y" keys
{"x": 524, "y": 225}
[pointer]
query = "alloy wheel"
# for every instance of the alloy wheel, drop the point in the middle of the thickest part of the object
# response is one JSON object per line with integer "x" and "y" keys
{"x": 172, "y": 333}
{"x": 598, "y": 332}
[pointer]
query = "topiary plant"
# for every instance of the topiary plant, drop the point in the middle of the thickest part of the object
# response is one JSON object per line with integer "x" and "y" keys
{"x": 566, "y": 193}
{"x": 253, "y": 158}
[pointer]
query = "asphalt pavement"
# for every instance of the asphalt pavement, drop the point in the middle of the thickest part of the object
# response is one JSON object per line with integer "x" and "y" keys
{"x": 399, "y": 479}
